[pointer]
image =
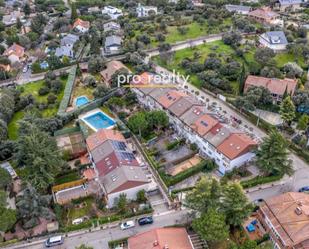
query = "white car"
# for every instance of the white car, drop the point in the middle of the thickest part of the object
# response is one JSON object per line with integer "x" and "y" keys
{"x": 77, "y": 221}
{"x": 25, "y": 69}
{"x": 128, "y": 224}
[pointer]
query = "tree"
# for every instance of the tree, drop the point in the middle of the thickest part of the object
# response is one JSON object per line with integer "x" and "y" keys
{"x": 100, "y": 92}
{"x": 287, "y": 110}
{"x": 303, "y": 122}
{"x": 235, "y": 204}
{"x": 96, "y": 64}
{"x": 8, "y": 218}
{"x": 272, "y": 155}
{"x": 137, "y": 123}
{"x": 141, "y": 196}
{"x": 74, "y": 14}
{"x": 242, "y": 78}
{"x": 292, "y": 70}
{"x": 122, "y": 74}
{"x": 39, "y": 153}
{"x": 205, "y": 195}
{"x": 90, "y": 81}
{"x": 122, "y": 203}
{"x": 232, "y": 38}
{"x": 157, "y": 119}
{"x": 54, "y": 62}
{"x": 5, "y": 178}
{"x": 27, "y": 9}
{"x": 211, "y": 226}
{"x": 31, "y": 206}
{"x": 264, "y": 56}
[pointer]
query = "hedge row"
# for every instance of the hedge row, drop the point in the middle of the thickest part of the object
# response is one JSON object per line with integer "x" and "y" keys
{"x": 207, "y": 165}
{"x": 104, "y": 220}
{"x": 260, "y": 180}
{"x": 67, "y": 91}
{"x": 69, "y": 130}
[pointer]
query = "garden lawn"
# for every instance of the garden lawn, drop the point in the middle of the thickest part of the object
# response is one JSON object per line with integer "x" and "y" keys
{"x": 75, "y": 213}
{"x": 72, "y": 176}
{"x": 81, "y": 90}
{"x": 33, "y": 88}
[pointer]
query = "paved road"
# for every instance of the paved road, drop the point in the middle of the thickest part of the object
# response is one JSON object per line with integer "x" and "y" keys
{"x": 99, "y": 239}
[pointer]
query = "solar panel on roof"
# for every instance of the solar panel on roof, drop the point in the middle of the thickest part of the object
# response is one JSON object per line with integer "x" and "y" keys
{"x": 119, "y": 145}
{"x": 126, "y": 156}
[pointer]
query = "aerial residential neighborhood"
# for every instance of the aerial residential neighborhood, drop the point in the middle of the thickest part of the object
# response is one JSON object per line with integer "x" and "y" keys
{"x": 154, "y": 124}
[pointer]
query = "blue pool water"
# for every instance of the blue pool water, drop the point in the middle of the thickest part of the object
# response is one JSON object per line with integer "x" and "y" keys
{"x": 100, "y": 120}
{"x": 82, "y": 100}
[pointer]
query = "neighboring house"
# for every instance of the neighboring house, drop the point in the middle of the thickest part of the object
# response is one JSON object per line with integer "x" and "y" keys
{"x": 117, "y": 168}
{"x": 113, "y": 12}
{"x": 66, "y": 192}
{"x": 69, "y": 40}
{"x": 274, "y": 40}
{"x": 113, "y": 45}
{"x": 111, "y": 26}
{"x": 111, "y": 68}
{"x": 12, "y": 17}
{"x": 266, "y": 16}
{"x": 286, "y": 219}
{"x": 81, "y": 26}
{"x": 64, "y": 51}
{"x": 191, "y": 120}
{"x": 239, "y": 9}
{"x": 277, "y": 87}
{"x": 161, "y": 238}
{"x": 283, "y": 5}
{"x": 15, "y": 53}
{"x": 143, "y": 11}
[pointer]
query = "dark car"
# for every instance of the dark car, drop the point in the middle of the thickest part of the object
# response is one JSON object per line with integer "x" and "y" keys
{"x": 304, "y": 189}
{"x": 145, "y": 220}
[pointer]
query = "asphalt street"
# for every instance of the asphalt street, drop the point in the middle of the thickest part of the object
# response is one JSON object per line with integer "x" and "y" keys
{"x": 99, "y": 239}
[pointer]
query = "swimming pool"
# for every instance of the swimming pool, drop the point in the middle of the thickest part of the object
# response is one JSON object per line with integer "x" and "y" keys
{"x": 99, "y": 120}
{"x": 82, "y": 100}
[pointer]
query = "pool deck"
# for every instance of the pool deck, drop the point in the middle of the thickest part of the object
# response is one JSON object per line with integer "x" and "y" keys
{"x": 92, "y": 112}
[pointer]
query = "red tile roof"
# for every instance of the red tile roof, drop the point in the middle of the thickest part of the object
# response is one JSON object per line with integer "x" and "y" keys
{"x": 263, "y": 13}
{"x": 170, "y": 98}
{"x": 111, "y": 68}
{"x": 275, "y": 86}
{"x": 89, "y": 174}
{"x": 160, "y": 238}
{"x": 80, "y": 22}
{"x": 204, "y": 124}
{"x": 16, "y": 50}
{"x": 101, "y": 136}
{"x": 293, "y": 228}
{"x": 236, "y": 145}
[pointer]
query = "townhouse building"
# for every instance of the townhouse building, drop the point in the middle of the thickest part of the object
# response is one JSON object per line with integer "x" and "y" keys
{"x": 191, "y": 119}
{"x": 286, "y": 219}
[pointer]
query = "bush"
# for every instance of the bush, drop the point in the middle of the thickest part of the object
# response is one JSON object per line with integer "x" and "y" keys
{"x": 51, "y": 99}
{"x": 173, "y": 145}
{"x": 43, "y": 90}
{"x": 260, "y": 180}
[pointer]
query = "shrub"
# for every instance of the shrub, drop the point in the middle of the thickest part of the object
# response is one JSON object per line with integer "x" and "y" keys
{"x": 51, "y": 99}
{"x": 43, "y": 90}
{"x": 173, "y": 145}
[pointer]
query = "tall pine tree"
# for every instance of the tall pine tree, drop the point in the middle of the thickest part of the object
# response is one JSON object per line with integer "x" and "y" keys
{"x": 272, "y": 156}
{"x": 287, "y": 110}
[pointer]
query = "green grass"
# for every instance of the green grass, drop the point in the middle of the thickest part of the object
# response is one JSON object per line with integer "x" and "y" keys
{"x": 33, "y": 88}
{"x": 75, "y": 213}
{"x": 204, "y": 50}
{"x": 72, "y": 176}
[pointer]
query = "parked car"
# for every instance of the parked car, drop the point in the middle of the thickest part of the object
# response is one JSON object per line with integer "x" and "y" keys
{"x": 54, "y": 241}
{"x": 77, "y": 221}
{"x": 304, "y": 189}
{"x": 25, "y": 69}
{"x": 126, "y": 225}
{"x": 145, "y": 220}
